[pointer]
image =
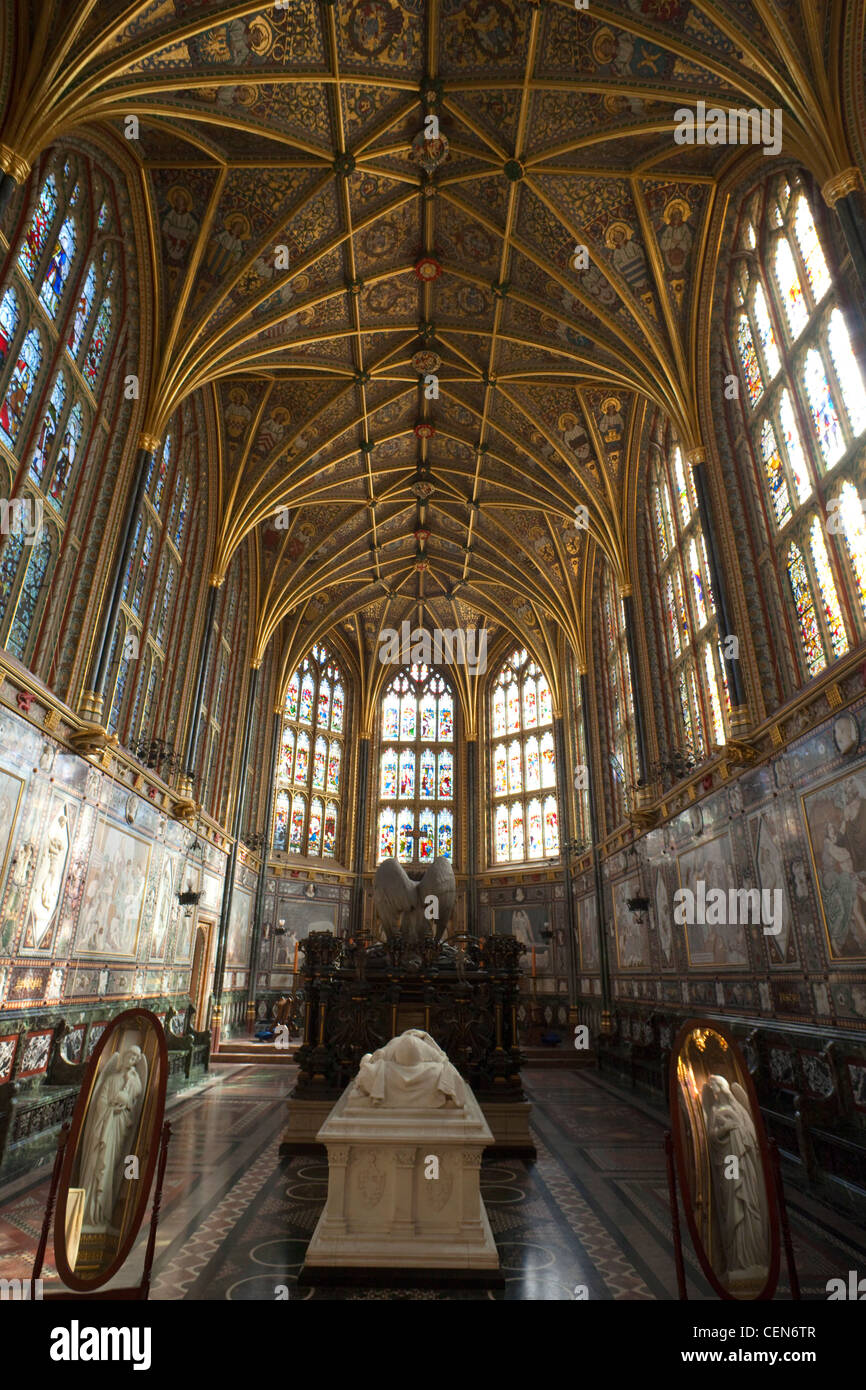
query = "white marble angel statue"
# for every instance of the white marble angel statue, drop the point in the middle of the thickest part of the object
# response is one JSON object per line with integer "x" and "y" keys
{"x": 738, "y": 1179}
{"x": 112, "y": 1118}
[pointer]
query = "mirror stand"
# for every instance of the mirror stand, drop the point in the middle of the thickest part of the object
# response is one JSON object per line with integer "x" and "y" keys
{"x": 138, "y": 1292}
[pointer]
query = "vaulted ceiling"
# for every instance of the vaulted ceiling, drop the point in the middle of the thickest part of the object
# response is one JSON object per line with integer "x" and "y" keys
{"x": 317, "y": 256}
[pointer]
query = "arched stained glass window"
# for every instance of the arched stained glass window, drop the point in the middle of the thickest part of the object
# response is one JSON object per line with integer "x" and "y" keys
{"x": 21, "y": 385}
{"x": 521, "y": 705}
{"x": 36, "y": 239}
{"x": 311, "y": 756}
{"x": 806, "y": 420}
{"x": 416, "y": 767}
{"x": 694, "y": 666}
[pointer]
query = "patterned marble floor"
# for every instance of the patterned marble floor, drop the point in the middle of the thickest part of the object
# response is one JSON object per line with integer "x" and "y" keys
{"x": 593, "y": 1210}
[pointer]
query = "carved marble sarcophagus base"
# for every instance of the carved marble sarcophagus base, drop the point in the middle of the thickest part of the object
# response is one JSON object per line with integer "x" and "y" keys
{"x": 403, "y": 1181}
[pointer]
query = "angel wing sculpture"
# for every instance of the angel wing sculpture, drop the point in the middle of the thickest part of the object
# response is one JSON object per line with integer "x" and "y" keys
{"x": 405, "y": 906}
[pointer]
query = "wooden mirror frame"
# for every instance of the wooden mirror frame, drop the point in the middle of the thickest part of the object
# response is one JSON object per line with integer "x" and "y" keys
{"x": 681, "y": 1156}
{"x": 157, "y": 1094}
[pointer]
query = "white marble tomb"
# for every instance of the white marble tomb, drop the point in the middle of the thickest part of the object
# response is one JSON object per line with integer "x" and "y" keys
{"x": 404, "y": 1145}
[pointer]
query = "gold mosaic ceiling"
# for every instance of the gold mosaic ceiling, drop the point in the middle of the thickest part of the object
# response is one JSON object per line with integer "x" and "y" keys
{"x": 316, "y": 255}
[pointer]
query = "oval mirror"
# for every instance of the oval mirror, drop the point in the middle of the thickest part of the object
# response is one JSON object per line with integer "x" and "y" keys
{"x": 723, "y": 1163}
{"x": 111, "y": 1151}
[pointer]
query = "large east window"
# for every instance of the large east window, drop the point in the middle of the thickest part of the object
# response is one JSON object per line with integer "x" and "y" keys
{"x": 415, "y": 820}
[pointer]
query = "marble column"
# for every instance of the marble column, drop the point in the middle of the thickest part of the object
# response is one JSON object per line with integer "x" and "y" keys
{"x": 739, "y": 718}
{"x": 267, "y": 848}
{"x": 357, "y": 920}
{"x": 93, "y": 699}
{"x": 587, "y": 710}
{"x": 231, "y": 870}
{"x": 566, "y": 839}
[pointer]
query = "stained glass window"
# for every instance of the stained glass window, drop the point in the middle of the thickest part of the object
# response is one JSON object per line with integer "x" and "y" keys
{"x": 320, "y": 758}
{"x": 337, "y": 708}
{"x": 688, "y": 609}
{"x": 387, "y": 825}
{"x": 810, "y": 422}
{"x": 749, "y": 359}
{"x": 853, "y": 528}
{"x": 521, "y": 699}
{"x": 825, "y": 417}
{"x": 427, "y": 769}
{"x": 806, "y": 233}
{"x": 847, "y": 372}
{"x": 444, "y": 834}
{"x": 302, "y": 759}
{"x": 407, "y": 775}
{"x": 48, "y": 429}
{"x": 141, "y": 575}
{"x": 827, "y": 587}
{"x": 36, "y": 239}
{"x": 180, "y": 517}
{"x": 281, "y": 821}
{"x": 329, "y": 844}
{"x": 98, "y": 343}
{"x": 82, "y": 313}
{"x": 535, "y": 834}
{"x": 67, "y": 455}
{"x": 811, "y": 633}
{"x": 287, "y": 753}
{"x": 30, "y": 595}
{"x": 500, "y": 771}
{"x": 314, "y": 832}
{"x": 790, "y": 288}
{"x": 417, "y": 710}
{"x": 323, "y": 706}
{"x": 8, "y": 322}
{"x": 551, "y": 826}
{"x": 406, "y": 836}
{"x": 311, "y": 751}
{"x": 166, "y": 604}
{"x": 296, "y": 831}
{"x": 57, "y": 272}
{"x": 21, "y": 386}
{"x": 426, "y": 836}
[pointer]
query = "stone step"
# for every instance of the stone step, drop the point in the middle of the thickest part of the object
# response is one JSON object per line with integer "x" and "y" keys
{"x": 557, "y": 1057}
{"x": 247, "y": 1050}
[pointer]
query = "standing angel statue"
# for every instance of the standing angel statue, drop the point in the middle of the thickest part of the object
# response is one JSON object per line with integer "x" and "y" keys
{"x": 112, "y": 1118}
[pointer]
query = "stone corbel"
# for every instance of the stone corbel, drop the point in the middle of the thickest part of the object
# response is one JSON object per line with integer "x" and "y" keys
{"x": 738, "y": 753}
{"x": 92, "y": 740}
